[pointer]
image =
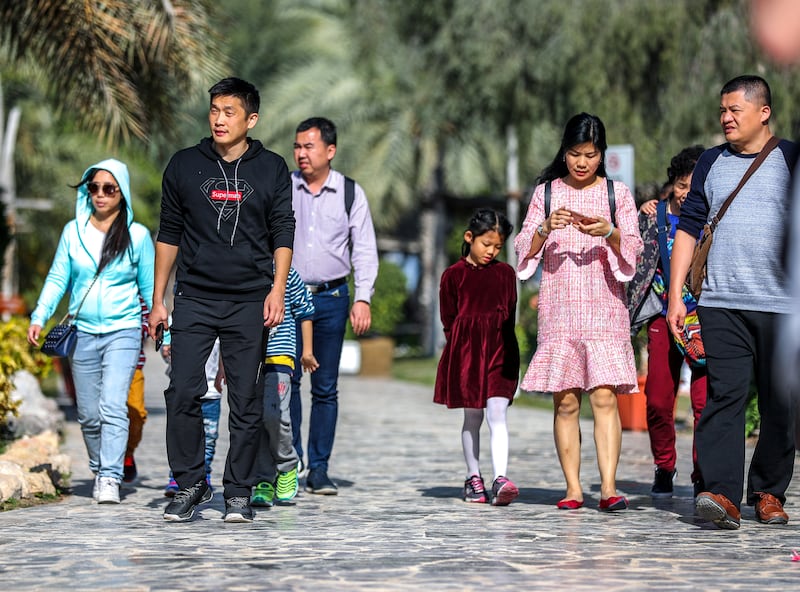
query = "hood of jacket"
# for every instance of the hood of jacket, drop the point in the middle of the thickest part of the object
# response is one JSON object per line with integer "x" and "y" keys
{"x": 206, "y": 147}
{"x": 83, "y": 202}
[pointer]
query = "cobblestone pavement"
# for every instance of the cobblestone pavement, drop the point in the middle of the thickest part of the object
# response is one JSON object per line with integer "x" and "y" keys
{"x": 398, "y": 522}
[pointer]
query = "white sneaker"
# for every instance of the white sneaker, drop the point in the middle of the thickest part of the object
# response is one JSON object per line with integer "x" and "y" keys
{"x": 94, "y": 487}
{"x": 107, "y": 490}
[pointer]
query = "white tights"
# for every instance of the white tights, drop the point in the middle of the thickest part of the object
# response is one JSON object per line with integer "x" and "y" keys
{"x": 496, "y": 408}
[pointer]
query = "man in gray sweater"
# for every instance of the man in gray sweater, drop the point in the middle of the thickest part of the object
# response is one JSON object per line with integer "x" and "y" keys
{"x": 743, "y": 299}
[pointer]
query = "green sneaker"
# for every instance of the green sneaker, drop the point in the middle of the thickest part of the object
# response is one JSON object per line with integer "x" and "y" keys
{"x": 286, "y": 485}
{"x": 263, "y": 495}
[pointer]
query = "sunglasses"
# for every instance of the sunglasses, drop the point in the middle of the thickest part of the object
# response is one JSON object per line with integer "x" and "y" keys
{"x": 108, "y": 189}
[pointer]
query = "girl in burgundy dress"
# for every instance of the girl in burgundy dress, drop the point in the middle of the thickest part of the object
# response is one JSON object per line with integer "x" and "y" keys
{"x": 479, "y": 367}
{"x": 583, "y": 343}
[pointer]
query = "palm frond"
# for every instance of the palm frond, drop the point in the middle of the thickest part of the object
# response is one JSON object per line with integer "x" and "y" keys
{"x": 119, "y": 67}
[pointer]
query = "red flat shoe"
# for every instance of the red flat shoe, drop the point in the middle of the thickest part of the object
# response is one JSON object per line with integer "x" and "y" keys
{"x": 616, "y": 502}
{"x": 569, "y": 504}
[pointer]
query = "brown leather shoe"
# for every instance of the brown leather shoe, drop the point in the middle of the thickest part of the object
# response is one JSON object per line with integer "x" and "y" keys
{"x": 718, "y": 509}
{"x": 769, "y": 509}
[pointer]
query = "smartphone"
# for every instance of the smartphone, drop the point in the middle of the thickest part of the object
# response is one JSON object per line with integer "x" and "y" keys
{"x": 581, "y": 219}
{"x": 159, "y": 336}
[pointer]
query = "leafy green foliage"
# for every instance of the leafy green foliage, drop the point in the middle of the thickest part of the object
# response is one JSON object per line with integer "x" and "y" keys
{"x": 390, "y": 296}
{"x": 16, "y": 354}
{"x": 119, "y": 68}
{"x": 752, "y": 417}
{"x": 386, "y": 306}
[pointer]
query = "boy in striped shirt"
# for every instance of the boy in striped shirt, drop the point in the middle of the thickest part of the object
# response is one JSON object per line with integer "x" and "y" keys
{"x": 277, "y": 461}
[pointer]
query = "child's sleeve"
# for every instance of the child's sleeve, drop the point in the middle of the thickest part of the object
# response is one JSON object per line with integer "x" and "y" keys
{"x": 299, "y": 301}
{"x": 448, "y": 301}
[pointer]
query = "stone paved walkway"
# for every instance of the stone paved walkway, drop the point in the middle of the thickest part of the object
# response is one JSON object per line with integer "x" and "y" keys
{"x": 398, "y": 522}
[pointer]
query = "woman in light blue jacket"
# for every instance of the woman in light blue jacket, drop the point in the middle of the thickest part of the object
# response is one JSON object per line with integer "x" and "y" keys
{"x": 105, "y": 260}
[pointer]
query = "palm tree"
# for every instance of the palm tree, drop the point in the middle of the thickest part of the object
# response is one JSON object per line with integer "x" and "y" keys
{"x": 118, "y": 74}
{"x": 119, "y": 68}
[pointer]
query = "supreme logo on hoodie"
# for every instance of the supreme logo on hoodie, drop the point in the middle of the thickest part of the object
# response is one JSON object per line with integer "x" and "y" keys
{"x": 224, "y": 196}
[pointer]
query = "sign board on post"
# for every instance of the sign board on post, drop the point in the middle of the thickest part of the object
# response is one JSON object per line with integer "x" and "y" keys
{"x": 619, "y": 164}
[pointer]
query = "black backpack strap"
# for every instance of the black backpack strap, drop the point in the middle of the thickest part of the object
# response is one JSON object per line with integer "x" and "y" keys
{"x": 662, "y": 234}
{"x": 349, "y": 194}
{"x": 548, "y": 190}
{"x": 612, "y": 201}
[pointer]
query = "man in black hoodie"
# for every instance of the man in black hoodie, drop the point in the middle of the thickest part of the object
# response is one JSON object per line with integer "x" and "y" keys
{"x": 226, "y": 215}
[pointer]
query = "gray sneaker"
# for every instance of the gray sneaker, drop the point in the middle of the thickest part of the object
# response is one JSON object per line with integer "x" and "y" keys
{"x": 107, "y": 490}
{"x": 181, "y": 508}
{"x": 238, "y": 509}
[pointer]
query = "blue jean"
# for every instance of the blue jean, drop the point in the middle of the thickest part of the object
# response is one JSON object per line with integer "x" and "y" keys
{"x": 330, "y": 318}
{"x": 102, "y": 369}
{"x": 211, "y": 411}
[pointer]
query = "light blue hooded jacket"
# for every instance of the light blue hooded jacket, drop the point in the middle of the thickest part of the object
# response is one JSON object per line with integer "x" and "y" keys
{"x": 113, "y": 302}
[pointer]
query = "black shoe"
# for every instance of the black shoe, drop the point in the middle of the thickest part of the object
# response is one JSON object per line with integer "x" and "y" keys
{"x": 181, "y": 508}
{"x": 129, "y": 471}
{"x": 662, "y": 484}
{"x": 238, "y": 509}
{"x": 318, "y": 482}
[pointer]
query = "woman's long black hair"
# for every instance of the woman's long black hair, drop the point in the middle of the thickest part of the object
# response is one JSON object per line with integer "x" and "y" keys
{"x": 118, "y": 238}
{"x": 484, "y": 220}
{"x": 581, "y": 128}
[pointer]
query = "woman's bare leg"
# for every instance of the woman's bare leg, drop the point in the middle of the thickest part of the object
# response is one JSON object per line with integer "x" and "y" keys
{"x": 567, "y": 434}
{"x": 607, "y": 438}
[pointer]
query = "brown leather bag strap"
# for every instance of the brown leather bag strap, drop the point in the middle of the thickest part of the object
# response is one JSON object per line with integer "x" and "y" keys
{"x": 762, "y": 156}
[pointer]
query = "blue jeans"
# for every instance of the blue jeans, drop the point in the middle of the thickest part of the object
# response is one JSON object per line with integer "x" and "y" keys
{"x": 330, "y": 318}
{"x": 211, "y": 409}
{"x": 102, "y": 369}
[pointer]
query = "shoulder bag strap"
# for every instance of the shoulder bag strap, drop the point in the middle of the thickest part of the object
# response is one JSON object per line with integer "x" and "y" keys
{"x": 762, "y": 156}
{"x": 662, "y": 228}
{"x": 75, "y": 316}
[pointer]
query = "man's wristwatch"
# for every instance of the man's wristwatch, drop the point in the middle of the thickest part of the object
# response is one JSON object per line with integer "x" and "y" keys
{"x": 540, "y": 231}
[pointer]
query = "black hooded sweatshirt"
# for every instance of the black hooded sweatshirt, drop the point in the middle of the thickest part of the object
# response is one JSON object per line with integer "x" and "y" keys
{"x": 227, "y": 218}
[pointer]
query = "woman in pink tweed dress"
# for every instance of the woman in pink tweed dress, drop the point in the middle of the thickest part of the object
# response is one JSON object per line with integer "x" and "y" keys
{"x": 584, "y": 333}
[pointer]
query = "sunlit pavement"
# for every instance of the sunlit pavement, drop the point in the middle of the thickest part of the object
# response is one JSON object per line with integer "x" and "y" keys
{"x": 398, "y": 522}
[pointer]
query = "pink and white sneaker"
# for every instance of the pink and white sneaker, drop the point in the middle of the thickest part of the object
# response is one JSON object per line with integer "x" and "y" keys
{"x": 503, "y": 491}
{"x": 474, "y": 490}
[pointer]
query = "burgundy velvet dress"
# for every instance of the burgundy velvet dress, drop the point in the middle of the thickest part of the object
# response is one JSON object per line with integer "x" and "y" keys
{"x": 481, "y": 356}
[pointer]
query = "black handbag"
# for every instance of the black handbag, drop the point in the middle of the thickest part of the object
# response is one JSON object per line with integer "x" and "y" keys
{"x": 61, "y": 340}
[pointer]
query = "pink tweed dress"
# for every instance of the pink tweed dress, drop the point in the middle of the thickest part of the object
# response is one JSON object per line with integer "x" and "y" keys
{"x": 584, "y": 330}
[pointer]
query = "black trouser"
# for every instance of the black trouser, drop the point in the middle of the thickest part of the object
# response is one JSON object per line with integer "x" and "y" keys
{"x": 738, "y": 342}
{"x": 196, "y": 323}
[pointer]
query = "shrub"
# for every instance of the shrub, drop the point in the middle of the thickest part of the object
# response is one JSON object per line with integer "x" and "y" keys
{"x": 386, "y": 306}
{"x": 17, "y": 354}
